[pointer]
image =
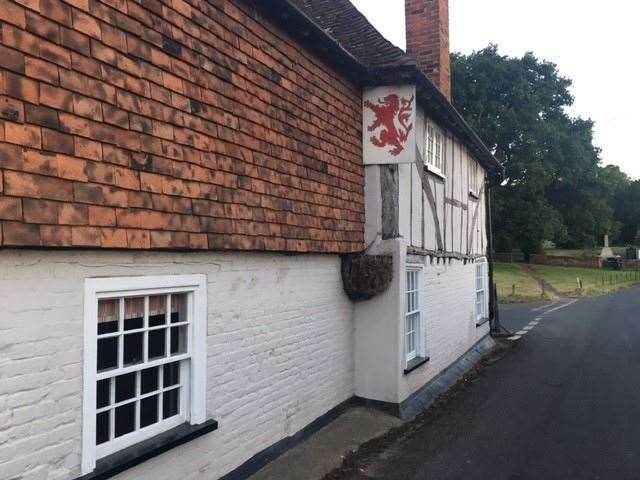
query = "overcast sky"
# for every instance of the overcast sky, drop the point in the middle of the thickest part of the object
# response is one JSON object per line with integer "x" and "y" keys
{"x": 594, "y": 43}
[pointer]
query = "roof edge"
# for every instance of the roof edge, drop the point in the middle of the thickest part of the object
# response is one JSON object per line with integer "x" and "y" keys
{"x": 286, "y": 15}
{"x": 305, "y": 30}
{"x": 438, "y": 105}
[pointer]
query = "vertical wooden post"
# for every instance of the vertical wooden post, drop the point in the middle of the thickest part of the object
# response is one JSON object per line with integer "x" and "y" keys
{"x": 389, "y": 186}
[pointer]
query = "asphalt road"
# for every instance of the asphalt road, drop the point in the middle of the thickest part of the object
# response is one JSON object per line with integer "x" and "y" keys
{"x": 564, "y": 403}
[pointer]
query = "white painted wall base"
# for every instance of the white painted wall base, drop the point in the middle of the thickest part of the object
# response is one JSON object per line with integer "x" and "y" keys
{"x": 447, "y": 301}
{"x": 285, "y": 346}
{"x": 280, "y": 354}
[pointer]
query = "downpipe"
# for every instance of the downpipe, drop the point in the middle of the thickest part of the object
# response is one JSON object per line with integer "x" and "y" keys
{"x": 496, "y": 328}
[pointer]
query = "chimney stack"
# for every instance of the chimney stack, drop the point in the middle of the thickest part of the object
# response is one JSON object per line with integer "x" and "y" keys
{"x": 428, "y": 39}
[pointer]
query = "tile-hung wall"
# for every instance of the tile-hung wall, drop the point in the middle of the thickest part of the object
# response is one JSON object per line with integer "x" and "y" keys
{"x": 172, "y": 125}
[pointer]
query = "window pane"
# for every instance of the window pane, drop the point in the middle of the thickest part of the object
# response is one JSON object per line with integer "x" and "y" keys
{"x": 107, "y": 353}
{"x": 178, "y": 340}
{"x": 132, "y": 349}
{"x": 171, "y": 403}
{"x": 171, "y": 375}
{"x": 125, "y": 387}
{"x": 108, "y": 313}
{"x": 103, "y": 393}
{"x": 157, "y": 310}
{"x": 178, "y": 308}
{"x": 125, "y": 419}
{"x": 157, "y": 343}
{"x": 411, "y": 332}
{"x": 102, "y": 427}
{"x": 148, "y": 411}
{"x": 133, "y": 313}
{"x": 149, "y": 380}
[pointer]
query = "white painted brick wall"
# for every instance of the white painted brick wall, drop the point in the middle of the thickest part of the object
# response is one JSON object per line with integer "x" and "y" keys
{"x": 448, "y": 305}
{"x": 280, "y": 339}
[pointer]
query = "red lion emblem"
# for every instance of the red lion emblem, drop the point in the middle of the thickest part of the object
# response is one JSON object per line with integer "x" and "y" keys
{"x": 387, "y": 111}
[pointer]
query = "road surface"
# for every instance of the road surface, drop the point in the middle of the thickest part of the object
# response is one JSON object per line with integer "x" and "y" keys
{"x": 564, "y": 403}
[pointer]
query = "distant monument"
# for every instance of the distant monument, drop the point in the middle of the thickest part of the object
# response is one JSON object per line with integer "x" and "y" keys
{"x": 607, "y": 252}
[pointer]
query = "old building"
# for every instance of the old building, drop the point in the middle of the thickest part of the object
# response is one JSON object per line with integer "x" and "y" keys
{"x": 181, "y": 184}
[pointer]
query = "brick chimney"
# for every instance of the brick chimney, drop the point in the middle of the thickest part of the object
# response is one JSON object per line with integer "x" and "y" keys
{"x": 428, "y": 39}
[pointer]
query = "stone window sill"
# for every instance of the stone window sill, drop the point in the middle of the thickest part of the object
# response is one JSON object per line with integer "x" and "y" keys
{"x": 415, "y": 364}
{"x": 135, "y": 455}
{"x": 435, "y": 172}
{"x": 482, "y": 321}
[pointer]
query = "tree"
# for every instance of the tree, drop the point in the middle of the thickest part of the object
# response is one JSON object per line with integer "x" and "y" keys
{"x": 554, "y": 188}
{"x": 627, "y": 211}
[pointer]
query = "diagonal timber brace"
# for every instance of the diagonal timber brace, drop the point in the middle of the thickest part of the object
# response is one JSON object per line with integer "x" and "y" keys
{"x": 426, "y": 187}
{"x": 475, "y": 220}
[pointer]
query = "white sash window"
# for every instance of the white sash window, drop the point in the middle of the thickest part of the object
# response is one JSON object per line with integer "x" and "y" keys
{"x": 413, "y": 316}
{"x": 145, "y": 360}
{"x": 481, "y": 289}
{"x": 434, "y": 157}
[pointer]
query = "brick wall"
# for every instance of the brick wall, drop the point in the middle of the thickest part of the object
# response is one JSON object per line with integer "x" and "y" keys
{"x": 581, "y": 262}
{"x": 427, "y": 24}
{"x": 280, "y": 338}
{"x": 448, "y": 298}
{"x": 182, "y": 124}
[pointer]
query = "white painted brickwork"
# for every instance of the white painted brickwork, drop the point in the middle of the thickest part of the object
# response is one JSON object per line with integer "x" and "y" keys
{"x": 448, "y": 308}
{"x": 280, "y": 338}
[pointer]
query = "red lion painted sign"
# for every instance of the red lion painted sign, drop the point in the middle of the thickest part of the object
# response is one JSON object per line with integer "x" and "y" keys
{"x": 393, "y": 115}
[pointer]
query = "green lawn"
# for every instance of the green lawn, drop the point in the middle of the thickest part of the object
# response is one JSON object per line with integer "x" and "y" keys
{"x": 594, "y": 281}
{"x": 511, "y": 277}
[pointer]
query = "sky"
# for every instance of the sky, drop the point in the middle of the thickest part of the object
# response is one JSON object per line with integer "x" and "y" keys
{"x": 594, "y": 43}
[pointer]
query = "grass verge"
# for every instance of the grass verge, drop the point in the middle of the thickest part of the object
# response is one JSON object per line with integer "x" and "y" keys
{"x": 587, "y": 282}
{"x": 515, "y": 285}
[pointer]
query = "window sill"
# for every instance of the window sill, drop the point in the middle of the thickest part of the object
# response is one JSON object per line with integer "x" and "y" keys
{"x": 415, "y": 363}
{"x": 482, "y": 321}
{"x": 435, "y": 172}
{"x": 135, "y": 455}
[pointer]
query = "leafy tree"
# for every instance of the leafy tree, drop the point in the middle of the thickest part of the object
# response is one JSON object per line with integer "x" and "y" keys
{"x": 627, "y": 211}
{"x": 554, "y": 187}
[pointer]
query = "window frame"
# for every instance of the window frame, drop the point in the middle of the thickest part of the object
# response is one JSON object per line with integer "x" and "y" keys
{"x": 194, "y": 411}
{"x": 482, "y": 265}
{"x": 419, "y": 343}
{"x": 434, "y": 148}
{"x": 473, "y": 179}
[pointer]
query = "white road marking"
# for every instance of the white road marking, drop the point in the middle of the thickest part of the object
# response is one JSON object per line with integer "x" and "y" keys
{"x": 537, "y": 309}
{"x": 560, "y": 307}
{"x": 534, "y": 323}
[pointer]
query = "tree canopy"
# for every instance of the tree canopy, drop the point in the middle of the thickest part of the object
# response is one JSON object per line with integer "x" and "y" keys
{"x": 555, "y": 187}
